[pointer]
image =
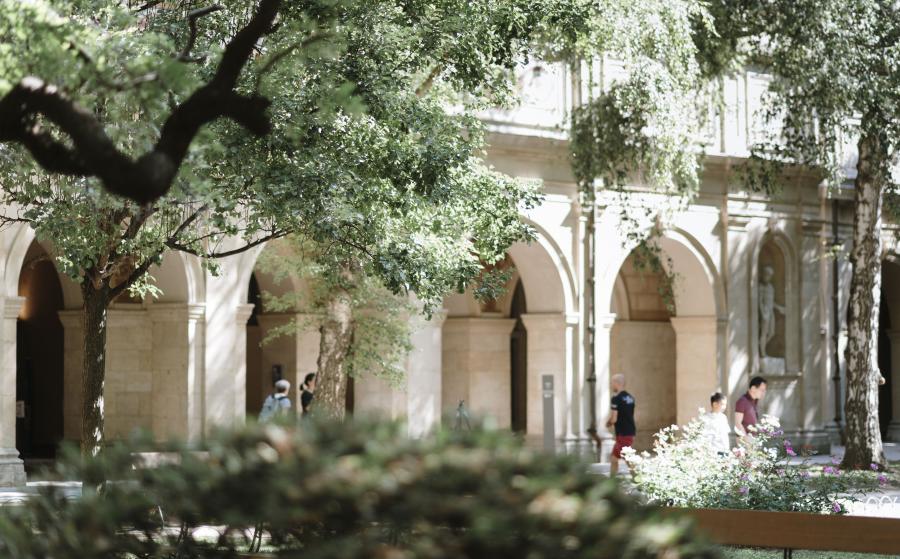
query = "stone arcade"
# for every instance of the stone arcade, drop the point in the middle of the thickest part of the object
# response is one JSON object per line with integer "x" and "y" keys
{"x": 752, "y": 295}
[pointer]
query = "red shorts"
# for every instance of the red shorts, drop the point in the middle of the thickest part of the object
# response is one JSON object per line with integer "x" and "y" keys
{"x": 621, "y": 442}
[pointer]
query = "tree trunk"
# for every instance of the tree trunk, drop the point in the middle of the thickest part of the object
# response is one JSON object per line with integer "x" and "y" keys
{"x": 334, "y": 344}
{"x": 93, "y": 374}
{"x": 862, "y": 433}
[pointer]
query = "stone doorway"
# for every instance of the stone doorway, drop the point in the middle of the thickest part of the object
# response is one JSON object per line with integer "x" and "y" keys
{"x": 39, "y": 359}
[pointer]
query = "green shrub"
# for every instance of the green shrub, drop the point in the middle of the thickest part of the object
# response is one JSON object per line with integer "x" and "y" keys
{"x": 343, "y": 491}
{"x": 686, "y": 471}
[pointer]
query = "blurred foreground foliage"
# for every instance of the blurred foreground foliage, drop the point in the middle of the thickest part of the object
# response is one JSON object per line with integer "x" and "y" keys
{"x": 330, "y": 490}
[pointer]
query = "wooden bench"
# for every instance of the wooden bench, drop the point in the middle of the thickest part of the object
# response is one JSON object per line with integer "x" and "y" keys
{"x": 796, "y": 530}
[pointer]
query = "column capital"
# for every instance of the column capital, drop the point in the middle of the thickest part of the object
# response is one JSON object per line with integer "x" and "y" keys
{"x": 242, "y": 312}
{"x": 176, "y": 312}
{"x": 550, "y": 320}
{"x": 606, "y": 320}
{"x": 477, "y": 324}
{"x": 12, "y": 306}
{"x": 694, "y": 324}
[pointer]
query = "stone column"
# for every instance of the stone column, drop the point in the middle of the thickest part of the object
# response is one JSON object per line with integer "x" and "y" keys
{"x": 476, "y": 367}
{"x": 177, "y": 363}
{"x": 72, "y": 363}
{"x": 238, "y": 384}
{"x": 602, "y": 360}
{"x": 128, "y": 388}
{"x": 549, "y": 338}
{"x": 696, "y": 374}
{"x": 893, "y": 432}
{"x": 423, "y": 374}
{"x": 12, "y": 469}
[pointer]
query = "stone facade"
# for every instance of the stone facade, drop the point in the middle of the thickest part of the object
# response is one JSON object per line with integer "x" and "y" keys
{"x": 188, "y": 362}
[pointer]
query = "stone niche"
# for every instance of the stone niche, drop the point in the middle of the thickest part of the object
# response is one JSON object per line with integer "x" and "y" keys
{"x": 774, "y": 311}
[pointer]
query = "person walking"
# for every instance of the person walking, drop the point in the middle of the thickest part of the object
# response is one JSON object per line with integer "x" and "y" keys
{"x": 622, "y": 418}
{"x": 307, "y": 391}
{"x": 715, "y": 424}
{"x": 746, "y": 410}
{"x": 277, "y": 404}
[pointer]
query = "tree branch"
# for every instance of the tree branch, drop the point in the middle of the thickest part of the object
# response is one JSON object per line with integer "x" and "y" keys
{"x": 193, "y": 16}
{"x": 175, "y": 245}
{"x": 91, "y": 153}
{"x": 132, "y": 277}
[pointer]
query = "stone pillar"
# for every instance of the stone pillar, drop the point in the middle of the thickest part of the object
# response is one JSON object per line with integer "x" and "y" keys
{"x": 549, "y": 340}
{"x": 476, "y": 367}
{"x": 893, "y": 432}
{"x": 72, "y": 363}
{"x": 238, "y": 384}
{"x": 423, "y": 376}
{"x": 128, "y": 388}
{"x": 12, "y": 469}
{"x": 696, "y": 374}
{"x": 177, "y": 364}
{"x": 602, "y": 360}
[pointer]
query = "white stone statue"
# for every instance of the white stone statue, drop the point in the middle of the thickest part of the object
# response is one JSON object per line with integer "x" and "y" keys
{"x": 767, "y": 308}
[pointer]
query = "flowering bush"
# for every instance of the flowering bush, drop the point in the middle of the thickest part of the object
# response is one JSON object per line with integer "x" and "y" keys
{"x": 686, "y": 471}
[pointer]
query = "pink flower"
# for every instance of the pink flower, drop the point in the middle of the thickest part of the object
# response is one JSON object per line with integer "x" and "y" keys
{"x": 744, "y": 490}
{"x": 828, "y": 470}
{"x": 790, "y": 451}
{"x": 836, "y": 507}
{"x": 873, "y": 466}
{"x": 882, "y": 479}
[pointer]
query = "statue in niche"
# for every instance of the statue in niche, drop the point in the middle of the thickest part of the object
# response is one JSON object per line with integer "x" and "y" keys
{"x": 767, "y": 309}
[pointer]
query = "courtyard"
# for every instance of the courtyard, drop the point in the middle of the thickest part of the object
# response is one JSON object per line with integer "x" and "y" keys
{"x": 449, "y": 278}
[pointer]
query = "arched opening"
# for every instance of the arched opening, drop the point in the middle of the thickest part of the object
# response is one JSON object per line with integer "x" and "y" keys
{"x": 665, "y": 338}
{"x": 39, "y": 358}
{"x": 649, "y": 368}
{"x": 495, "y": 354}
{"x": 255, "y": 390}
{"x": 518, "y": 349}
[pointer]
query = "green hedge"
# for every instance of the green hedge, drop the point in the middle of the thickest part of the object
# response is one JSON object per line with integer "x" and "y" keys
{"x": 354, "y": 490}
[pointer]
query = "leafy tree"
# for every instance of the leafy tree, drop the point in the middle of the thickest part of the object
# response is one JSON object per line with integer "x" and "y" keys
{"x": 349, "y": 122}
{"x": 836, "y": 82}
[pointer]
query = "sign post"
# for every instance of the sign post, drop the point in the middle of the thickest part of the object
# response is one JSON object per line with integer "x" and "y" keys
{"x": 549, "y": 415}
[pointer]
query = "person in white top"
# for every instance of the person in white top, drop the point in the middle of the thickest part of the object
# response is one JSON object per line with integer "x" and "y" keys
{"x": 715, "y": 424}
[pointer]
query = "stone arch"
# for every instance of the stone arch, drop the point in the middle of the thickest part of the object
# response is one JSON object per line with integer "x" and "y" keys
{"x": 477, "y": 356}
{"x": 39, "y": 355}
{"x": 682, "y": 367}
{"x": 290, "y": 355}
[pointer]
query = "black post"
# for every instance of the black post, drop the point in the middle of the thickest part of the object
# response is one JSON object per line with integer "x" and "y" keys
{"x": 836, "y": 318}
{"x": 590, "y": 198}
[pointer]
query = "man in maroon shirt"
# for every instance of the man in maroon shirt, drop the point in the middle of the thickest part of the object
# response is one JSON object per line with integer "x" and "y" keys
{"x": 746, "y": 412}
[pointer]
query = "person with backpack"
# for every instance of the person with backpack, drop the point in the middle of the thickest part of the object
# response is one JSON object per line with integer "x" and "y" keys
{"x": 277, "y": 404}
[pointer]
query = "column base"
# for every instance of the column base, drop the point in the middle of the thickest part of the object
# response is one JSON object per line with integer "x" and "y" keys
{"x": 893, "y": 432}
{"x": 12, "y": 469}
